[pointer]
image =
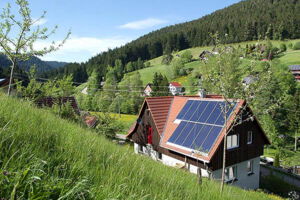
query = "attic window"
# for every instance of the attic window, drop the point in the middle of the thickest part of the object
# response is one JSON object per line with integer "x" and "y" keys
{"x": 148, "y": 112}
{"x": 232, "y": 141}
{"x": 249, "y": 137}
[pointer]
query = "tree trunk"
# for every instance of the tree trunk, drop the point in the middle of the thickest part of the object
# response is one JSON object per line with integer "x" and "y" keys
{"x": 224, "y": 150}
{"x": 199, "y": 174}
{"x": 11, "y": 78}
{"x": 296, "y": 138}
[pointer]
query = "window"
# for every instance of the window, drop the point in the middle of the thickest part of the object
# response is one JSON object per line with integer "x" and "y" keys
{"x": 250, "y": 167}
{"x": 159, "y": 156}
{"x": 232, "y": 141}
{"x": 140, "y": 148}
{"x": 249, "y": 137}
{"x": 149, "y": 134}
{"x": 230, "y": 173}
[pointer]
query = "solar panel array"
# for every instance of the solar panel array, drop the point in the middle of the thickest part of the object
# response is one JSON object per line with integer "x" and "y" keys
{"x": 201, "y": 124}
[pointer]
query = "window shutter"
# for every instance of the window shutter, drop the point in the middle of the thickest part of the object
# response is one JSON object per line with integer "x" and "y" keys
{"x": 149, "y": 134}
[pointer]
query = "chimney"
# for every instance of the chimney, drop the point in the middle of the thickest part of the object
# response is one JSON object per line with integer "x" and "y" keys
{"x": 202, "y": 93}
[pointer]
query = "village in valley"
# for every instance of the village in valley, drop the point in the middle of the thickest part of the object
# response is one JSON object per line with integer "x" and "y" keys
{"x": 202, "y": 109}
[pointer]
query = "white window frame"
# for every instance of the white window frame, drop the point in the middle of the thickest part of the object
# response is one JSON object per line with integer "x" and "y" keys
{"x": 231, "y": 173}
{"x": 229, "y": 144}
{"x": 251, "y": 137}
{"x": 250, "y": 167}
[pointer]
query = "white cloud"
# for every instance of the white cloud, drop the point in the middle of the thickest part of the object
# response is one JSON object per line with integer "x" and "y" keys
{"x": 80, "y": 49}
{"x": 143, "y": 24}
{"x": 39, "y": 22}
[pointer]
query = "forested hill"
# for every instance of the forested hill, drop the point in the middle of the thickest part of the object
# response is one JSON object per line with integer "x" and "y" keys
{"x": 243, "y": 21}
{"x": 42, "y": 66}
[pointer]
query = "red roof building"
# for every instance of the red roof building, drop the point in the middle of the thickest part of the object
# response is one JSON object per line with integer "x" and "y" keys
{"x": 189, "y": 131}
{"x": 175, "y": 88}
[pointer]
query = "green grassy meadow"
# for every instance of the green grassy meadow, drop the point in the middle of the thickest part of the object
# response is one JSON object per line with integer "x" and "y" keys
{"x": 290, "y": 57}
{"x": 45, "y": 157}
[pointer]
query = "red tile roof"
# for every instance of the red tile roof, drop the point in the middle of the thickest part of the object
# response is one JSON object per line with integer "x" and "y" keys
{"x": 159, "y": 108}
{"x": 176, "y": 84}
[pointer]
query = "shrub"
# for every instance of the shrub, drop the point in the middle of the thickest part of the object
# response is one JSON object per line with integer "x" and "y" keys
{"x": 166, "y": 60}
{"x": 108, "y": 126}
{"x": 296, "y": 46}
{"x": 186, "y": 56}
{"x": 65, "y": 110}
{"x": 283, "y": 47}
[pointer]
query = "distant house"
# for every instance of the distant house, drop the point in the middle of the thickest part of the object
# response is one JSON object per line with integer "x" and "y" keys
{"x": 249, "y": 80}
{"x": 188, "y": 132}
{"x": 204, "y": 55}
{"x": 50, "y": 101}
{"x": 90, "y": 120}
{"x": 175, "y": 88}
{"x": 85, "y": 90}
{"x": 295, "y": 69}
{"x": 148, "y": 90}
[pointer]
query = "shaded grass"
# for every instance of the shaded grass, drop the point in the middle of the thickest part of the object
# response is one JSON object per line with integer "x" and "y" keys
{"x": 277, "y": 186}
{"x": 86, "y": 165}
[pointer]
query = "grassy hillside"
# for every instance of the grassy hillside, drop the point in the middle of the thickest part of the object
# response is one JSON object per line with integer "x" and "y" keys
{"x": 44, "y": 157}
{"x": 290, "y": 57}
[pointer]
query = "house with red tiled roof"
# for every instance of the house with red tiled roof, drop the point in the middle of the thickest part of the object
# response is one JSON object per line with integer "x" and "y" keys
{"x": 175, "y": 88}
{"x": 188, "y": 132}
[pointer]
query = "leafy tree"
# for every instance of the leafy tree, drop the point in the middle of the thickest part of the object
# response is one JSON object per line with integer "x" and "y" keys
{"x": 294, "y": 117}
{"x": 186, "y": 56}
{"x": 222, "y": 75}
{"x": 129, "y": 67}
{"x": 177, "y": 65}
{"x": 108, "y": 126}
{"x": 160, "y": 85}
{"x": 19, "y": 33}
{"x": 93, "y": 83}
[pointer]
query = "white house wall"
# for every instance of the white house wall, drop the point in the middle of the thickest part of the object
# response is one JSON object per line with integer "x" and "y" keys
{"x": 167, "y": 160}
{"x": 243, "y": 179}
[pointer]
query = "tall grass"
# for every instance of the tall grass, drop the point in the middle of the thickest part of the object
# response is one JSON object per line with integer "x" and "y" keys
{"x": 45, "y": 157}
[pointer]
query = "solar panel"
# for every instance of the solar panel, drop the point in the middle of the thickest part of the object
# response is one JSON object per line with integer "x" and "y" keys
{"x": 177, "y": 132}
{"x": 184, "y": 109}
{"x": 202, "y": 122}
{"x": 205, "y": 112}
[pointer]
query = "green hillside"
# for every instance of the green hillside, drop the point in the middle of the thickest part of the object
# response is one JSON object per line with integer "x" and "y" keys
{"x": 44, "y": 157}
{"x": 290, "y": 57}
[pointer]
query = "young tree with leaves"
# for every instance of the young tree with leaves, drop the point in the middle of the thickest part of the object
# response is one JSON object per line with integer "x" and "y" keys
{"x": 18, "y": 35}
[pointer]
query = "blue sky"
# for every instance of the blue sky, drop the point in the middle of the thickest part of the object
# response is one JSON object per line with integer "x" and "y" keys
{"x": 97, "y": 25}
